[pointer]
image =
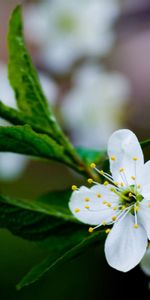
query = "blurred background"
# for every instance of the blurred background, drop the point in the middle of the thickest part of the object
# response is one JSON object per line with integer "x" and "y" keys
{"x": 92, "y": 57}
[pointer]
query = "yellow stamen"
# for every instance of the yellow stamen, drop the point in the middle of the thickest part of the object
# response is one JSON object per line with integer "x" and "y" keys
{"x": 93, "y": 166}
{"x": 108, "y": 204}
{"x": 116, "y": 183}
{"x": 113, "y": 157}
{"x": 90, "y": 180}
{"x": 130, "y": 194}
{"x": 99, "y": 195}
{"x": 121, "y": 170}
{"x": 107, "y": 230}
{"x": 77, "y": 210}
{"x": 148, "y": 204}
{"x": 133, "y": 177}
{"x": 87, "y": 199}
{"x": 136, "y": 226}
{"x": 115, "y": 208}
{"x": 101, "y": 172}
{"x": 104, "y": 223}
{"x": 139, "y": 186}
{"x": 123, "y": 207}
{"x": 86, "y": 206}
{"x": 114, "y": 218}
{"x": 74, "y": 187}
{"x": 91, "y": 229}
{"x": 121, "y": 183}
{"x": 104, "y": 202}
{"x": 112, "y": 189}
{"x": 106, "y": 183}
{"x": 137, "y": 208}
{"x": 135, "y": 158}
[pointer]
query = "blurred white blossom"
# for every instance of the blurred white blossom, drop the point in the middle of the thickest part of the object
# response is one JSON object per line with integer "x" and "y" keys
{"x": 65, "y": 30}
{"x": 93, "y": 108}
{"x": 11, "y": 164}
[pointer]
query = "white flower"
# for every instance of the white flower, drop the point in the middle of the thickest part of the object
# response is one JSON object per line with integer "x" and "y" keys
{"x": 94, "y": 105}
{"x": 66, "y": 30}
{"x": 145, "y": 262}
{"x": 11, "y": 164}
{"x": 124, "y": 202}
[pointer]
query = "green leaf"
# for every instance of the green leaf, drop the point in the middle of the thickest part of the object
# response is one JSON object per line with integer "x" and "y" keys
{"x": 53, "y": 204}
{"x": 145, "y": 144}
{"x": 25, "y": 83}
{"x": 37, "y": 219}
{"x": 22, "y": 74}
{"x": 22, "y": 139}
{"x": 71, "y": 246}
{"x": 91, "y": 155}
{"x": 28, "y": 224}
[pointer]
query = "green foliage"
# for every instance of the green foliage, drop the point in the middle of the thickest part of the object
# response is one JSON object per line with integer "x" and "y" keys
{"x": 91, "y": 155}
{"x": 71, "y": 246}
{"x": 47, "y": 217}
{"x": 23, "y": 76}
{"x": 22, "y": 139}
{"x": 26, "y": 223}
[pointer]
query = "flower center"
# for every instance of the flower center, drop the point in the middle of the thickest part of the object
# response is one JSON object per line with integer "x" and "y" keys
{"x": 130, "y": 197}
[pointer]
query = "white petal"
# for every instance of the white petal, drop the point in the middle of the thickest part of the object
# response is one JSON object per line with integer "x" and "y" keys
{"x": 123, "y": 145}
{"x": 125, "y": 245}
{"x": 144, "y": 216}
{"x": 144, "y": 180}
{"x": 93, "y": 212}
{"x": 145, "y": 262}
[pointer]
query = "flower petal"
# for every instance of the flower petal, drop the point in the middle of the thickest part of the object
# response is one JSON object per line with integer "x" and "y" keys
{"x": 123, "y": 146}
{"x": 90, "y": 205}
{"x": 144, "y": 180}
{"x": 144, "y": 216}
{"x": 145, "y": 262}
{"x": 125, "y": 245}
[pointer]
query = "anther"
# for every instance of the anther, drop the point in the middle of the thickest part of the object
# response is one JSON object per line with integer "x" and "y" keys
{"x": 116, "y": 183}
{"x": 108, "y": 204}
{"x": 77, "y": 210}
{"x": 90, "y": 180}
{"x": 114, "y": 218}
{"x": 148, "y": 205}
{"x": 93, "y": 166}
{"x": 115, "y": 208}
{"x": 106, "y": 183}
{"x": 133, "y": 177}
{"x": 138, "y": 186}
{"x": 122, "y": 184}
{"x": 123, "y": 207}
{"x": 130, "y": 194}
{"x": 137, "y": 208}
{"x": 136, "y": 226}
{"x": 121, "y": 170}
{"x": 112, "y": 190}
{"x": 99, "y": 195}
{"x": 86, "y": 206}
{"x": 101, "y": 172}
{"x": 135, "y": 158}
{"x": 107, "y": 230}
{"x": 91, "y": 229}
{"x": 104, "y": 202}
{"x": 87, "y": 199}
{"x": 113, "y": 157}
{"x": 74, "y": 187}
